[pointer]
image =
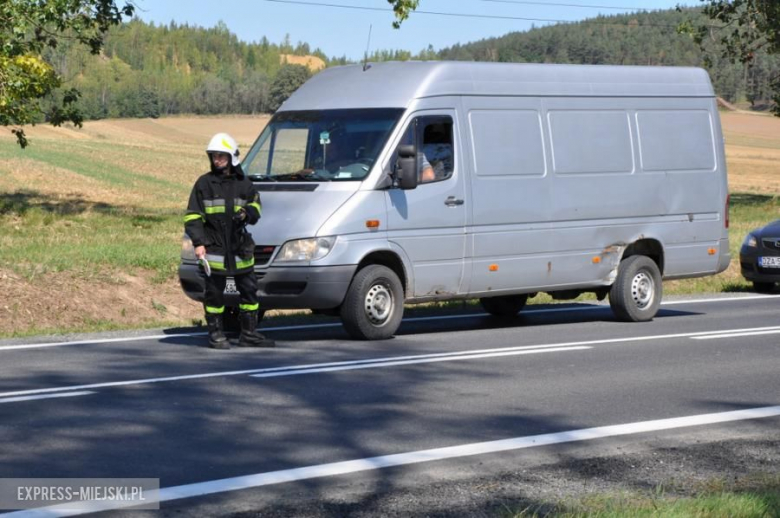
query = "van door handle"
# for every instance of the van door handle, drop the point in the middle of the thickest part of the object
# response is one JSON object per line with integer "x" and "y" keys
{"x": 452, "y": 201}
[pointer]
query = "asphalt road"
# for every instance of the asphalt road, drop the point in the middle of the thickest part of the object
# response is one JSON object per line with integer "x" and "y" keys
{"x": 452, "y": 397}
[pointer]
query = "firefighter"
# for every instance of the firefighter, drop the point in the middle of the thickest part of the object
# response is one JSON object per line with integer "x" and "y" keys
{"x": 222, "y": 203}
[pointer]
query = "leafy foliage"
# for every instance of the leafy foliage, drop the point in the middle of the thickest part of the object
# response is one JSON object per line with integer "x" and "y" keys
{"x": 27, "y": 29}
{"x": 402, "y": 8}
{"x": 743, "y": 29}
{"x": 287, "y": 81}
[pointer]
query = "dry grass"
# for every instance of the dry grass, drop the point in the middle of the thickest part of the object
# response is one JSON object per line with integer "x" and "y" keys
{"x": 752, "y": 152}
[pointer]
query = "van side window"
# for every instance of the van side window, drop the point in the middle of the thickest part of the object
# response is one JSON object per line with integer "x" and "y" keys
{"x": 435, "y": 150}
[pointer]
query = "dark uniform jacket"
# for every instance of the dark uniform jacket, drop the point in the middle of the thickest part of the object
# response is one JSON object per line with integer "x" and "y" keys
{"x": 215, "y": 199}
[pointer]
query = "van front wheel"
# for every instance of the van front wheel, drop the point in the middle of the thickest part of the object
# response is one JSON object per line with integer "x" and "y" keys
{"x": 374, "y": 305}
{"x": 636, "y": 294}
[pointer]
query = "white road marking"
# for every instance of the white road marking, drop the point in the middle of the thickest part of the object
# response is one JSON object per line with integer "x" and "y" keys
{"x": 5, "y": 348}
{"x": 186, "y": 377}
{"x": 768, "y": 331}
{"x": 413, "y": 362}
{"x": 48, "y": 396}
{"x": 96, "y": 341}
{"x": 272, "y": 369}
{"x": 404, "y": 459}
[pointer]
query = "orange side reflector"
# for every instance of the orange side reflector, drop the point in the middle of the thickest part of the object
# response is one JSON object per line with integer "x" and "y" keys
{"x": 712, "y": 251}
{"x": 372, "y": 223}
{"x": 493, "y": 267}
{"x": 596, "y": 260}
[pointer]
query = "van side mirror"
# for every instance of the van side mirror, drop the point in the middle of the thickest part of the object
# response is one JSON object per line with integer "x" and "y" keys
{"x": 407, "y": 171}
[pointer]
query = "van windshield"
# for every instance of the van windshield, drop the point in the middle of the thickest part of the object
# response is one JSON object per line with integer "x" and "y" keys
{"x": 319, "y": 146}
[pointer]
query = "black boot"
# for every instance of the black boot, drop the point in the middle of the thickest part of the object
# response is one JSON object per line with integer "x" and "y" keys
{"x": 217, "y": 339}
{"x": 249, "y": 336}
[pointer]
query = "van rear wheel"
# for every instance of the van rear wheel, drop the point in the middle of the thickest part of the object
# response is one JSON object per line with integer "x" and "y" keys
{"x": 374, "y": 305}
{"x": 506, "y": 306}
{"x": 636, "y": 294}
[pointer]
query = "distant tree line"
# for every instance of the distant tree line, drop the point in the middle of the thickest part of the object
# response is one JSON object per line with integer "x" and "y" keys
{"x": 148, "y": 70}
{"x": 650, "y": 38}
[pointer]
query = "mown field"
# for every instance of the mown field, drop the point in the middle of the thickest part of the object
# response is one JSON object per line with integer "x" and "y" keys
{"x": 91, "y": 219}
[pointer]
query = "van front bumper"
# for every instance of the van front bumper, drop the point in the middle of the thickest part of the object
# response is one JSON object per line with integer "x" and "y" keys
{"x": 305, "y": 287}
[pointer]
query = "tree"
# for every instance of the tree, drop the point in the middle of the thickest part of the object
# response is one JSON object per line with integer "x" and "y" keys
{"x": 402, "y": 8}
{"x": 288, "y": 80}
{"x": 27, "y": 28}
{"x": 742, "y": 28}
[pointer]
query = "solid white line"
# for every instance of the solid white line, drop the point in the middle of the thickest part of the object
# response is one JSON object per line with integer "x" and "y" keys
{"x": 737, "y": 335}
{"x": 49, "y": 396}
{"x": 96, "y": 341}
{"x": 414, "y": 362}
{"x": 415, "y": 457}
{"x": 719, "y": 299}
{"x": 186, "y": 377}
{"x": 415, "y": 319}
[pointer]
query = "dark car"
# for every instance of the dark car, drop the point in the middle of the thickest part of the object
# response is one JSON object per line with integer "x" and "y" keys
{"x": 760, "y": 257}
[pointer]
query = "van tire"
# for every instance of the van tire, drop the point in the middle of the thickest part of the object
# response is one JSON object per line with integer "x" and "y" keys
{"x": 374, "y": 304}
{"x": 636, "y": 294}
{"x": 505, "y": 306}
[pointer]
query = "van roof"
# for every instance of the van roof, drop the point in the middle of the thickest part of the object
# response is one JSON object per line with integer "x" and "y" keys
{"x": 397, "y": 84}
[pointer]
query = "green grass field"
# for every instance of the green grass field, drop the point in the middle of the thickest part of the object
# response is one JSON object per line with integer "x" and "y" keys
{"x": 97, "y": 214}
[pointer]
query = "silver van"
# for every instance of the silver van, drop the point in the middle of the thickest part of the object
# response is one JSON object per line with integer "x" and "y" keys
{"x": 428, "y": 181}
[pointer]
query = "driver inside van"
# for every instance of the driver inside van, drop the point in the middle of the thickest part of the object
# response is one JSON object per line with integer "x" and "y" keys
{"x": 336, "y": 153}
{"x": 436, "y": 153}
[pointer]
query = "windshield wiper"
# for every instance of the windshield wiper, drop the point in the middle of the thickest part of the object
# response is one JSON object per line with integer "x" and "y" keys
{"x": 261, "y": 178}
{"x": 302, "y": 177}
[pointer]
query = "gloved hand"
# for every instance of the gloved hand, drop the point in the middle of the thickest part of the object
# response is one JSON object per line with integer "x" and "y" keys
{"x": 240, "y": 217}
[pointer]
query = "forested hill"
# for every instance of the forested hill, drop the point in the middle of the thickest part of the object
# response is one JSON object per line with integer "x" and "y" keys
{"x": 148, "y": 71}
{"x": 637, "y": 39}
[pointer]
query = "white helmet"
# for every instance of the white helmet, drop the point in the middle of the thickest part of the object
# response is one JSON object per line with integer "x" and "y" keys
{"x": 224, "y": 143}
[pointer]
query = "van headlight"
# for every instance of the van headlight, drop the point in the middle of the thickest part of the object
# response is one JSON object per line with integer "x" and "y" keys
{"x": 187, "y": 250}
{"x": 750, "y": 241}
{"x": 302, "y": 250}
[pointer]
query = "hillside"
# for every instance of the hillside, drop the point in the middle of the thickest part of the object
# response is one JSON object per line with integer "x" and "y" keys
{"x": 634, "y": 39}
{"x": 151, "y": 71}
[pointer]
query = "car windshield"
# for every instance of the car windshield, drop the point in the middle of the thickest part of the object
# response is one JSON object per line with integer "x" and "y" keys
{"x": 328, "y": 145}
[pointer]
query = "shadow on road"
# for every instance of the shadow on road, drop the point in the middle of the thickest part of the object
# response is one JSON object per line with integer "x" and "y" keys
{"x": 432, "y": 322}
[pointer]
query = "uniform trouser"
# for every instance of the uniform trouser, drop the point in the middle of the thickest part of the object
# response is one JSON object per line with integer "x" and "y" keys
{"x": 246, "y": 283}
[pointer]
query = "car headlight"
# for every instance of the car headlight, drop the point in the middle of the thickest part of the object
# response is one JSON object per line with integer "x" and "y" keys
{"x": 750, "y": 241}
{"x": 302, "y": 250}
{"x": 187, "y": 250}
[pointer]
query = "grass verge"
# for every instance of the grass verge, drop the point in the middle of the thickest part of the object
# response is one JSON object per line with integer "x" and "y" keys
{"x": 757, "y": 496}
